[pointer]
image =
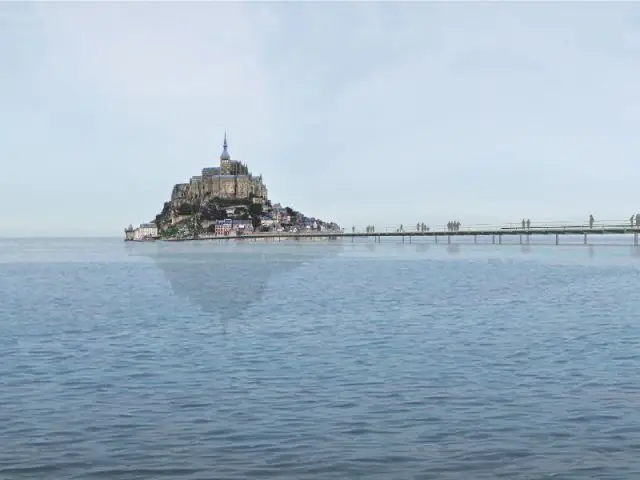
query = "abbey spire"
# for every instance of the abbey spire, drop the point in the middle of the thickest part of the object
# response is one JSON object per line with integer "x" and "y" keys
{"x": 225, "y": 153}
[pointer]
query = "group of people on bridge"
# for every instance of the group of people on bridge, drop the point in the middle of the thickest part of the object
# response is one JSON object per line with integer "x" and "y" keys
{"x": 453, "y": 226}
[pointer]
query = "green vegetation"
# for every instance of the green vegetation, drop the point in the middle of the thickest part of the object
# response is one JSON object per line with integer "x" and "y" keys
{"x": 255, "y": 209}
{"x": 225, "y": 203}
{"x": 211, "y": 211}
{"x": 186, "y": 209}
{"x": 169, "y": 232}
{"x": 163, "y": 217}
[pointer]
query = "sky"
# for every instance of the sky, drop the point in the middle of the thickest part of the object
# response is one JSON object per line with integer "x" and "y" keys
{"x": 362, "y": 113}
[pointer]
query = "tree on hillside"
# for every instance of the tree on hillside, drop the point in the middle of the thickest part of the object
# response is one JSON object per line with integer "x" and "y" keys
{"x": 255, "y": 209}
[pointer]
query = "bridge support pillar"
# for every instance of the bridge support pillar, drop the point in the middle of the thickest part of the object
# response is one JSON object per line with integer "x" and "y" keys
{"x": 493, "y": 239}
{"x": 402, "y": 238}
{"x": 585, "y": 238}
{"x": 499, "y": 239}
{"x": 409, "y": 238}
{"x": 475, "y": 239}
{"x": 520, "y": 239}
{"x": 436, "y": 237}
{"x": 557, "y": 239}
{"x": 635, "y": 239}
{"x": 352, "y": 237}
{"x": 448, "y": 238}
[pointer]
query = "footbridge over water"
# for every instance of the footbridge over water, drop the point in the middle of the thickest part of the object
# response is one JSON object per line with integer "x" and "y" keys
{"x": 496, "y": 234}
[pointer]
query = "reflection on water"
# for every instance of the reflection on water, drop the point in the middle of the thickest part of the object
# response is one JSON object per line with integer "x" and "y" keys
{"x": 369, "y": 364}
{"x": 453, "y": 248}
{"x": 224, "y": 279}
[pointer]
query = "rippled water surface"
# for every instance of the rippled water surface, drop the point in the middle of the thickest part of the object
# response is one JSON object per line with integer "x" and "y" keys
{"x": 311, "y": 360}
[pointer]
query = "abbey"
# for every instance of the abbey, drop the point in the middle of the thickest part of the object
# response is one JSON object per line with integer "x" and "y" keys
{"x": 231, "y": 180}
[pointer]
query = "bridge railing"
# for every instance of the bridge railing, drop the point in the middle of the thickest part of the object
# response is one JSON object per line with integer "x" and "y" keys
{"x": 540, "y": 225}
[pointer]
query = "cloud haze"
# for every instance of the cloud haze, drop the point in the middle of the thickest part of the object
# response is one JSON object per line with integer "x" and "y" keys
{"x": 380, "y": 113}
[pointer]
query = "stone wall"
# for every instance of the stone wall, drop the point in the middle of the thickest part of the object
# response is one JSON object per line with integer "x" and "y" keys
{"x": 228, "y": 187}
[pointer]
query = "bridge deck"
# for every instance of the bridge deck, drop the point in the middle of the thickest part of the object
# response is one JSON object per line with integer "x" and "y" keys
{"x": 498, "y": 232}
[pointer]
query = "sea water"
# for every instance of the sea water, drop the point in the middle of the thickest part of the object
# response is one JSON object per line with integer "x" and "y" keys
{"x": 312, "y": 360}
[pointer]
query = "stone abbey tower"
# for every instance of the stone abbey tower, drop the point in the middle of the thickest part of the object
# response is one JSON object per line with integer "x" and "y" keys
{"x": 231, "y": 180}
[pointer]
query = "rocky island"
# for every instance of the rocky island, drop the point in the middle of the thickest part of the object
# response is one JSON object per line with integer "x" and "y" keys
{"x": 226, "y": 200}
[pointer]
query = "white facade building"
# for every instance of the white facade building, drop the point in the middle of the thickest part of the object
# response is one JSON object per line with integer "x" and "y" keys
{"x": 145, "y": 230}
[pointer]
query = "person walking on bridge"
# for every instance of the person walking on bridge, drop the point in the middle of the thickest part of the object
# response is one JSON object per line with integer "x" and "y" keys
{"x": 591, "y": 220}
{"x": 528, "y": 224}
{"x": 523, "y": 223}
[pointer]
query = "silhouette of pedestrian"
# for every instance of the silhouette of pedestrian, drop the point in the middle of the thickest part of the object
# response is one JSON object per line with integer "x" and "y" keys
{"x": 591, "y": 220}
{"x": 523, "y": 223}
{"x": 528, "y": 224}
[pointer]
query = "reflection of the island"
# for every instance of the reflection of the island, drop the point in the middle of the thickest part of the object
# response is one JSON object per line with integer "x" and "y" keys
{"x": 453, "y": 248}
{"x": 225, "y": 278}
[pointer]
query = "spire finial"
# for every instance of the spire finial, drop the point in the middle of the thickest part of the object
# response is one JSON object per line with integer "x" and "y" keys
{"x": 225, "y": 139}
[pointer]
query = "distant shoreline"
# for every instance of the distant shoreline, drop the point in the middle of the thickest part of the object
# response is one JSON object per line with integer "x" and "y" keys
{"x": 265, "y": 237}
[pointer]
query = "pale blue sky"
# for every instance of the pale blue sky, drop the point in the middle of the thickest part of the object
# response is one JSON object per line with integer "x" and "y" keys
{"x": 380, "y": 113}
